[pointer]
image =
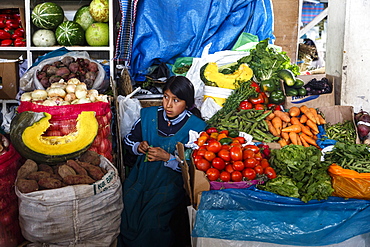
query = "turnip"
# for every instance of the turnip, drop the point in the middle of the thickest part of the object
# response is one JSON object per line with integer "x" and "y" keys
{"x": 73, "y": 67}
{"x": 93, "y": 67}
{"x": 363, "y": 131}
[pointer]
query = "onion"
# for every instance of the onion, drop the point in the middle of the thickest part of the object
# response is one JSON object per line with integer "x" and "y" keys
{"x": 49, "y": 102}
{"x": 102, "y": 97}
{"x": 73, "y": 81}
{"x": 56, "y": 92}
{"x": 80, "y": 93}
{"x": 81, "y": 86}
{"x": 39, "y": 94}
{"x": 70, "y": 97}
{"x": 58, "y": 85}
{"x": 92, "y": 94}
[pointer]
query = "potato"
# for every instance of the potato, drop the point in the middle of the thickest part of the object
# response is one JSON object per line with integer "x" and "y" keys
{"x": 78, "y": 179}
{"x": 28, "y": 167}
{"x": 79, "y": 169}
{"x": 65, "y": 170}
{"x": 50, "y": 183}
{"x": 94, "y": 171}
{"x": 90, "y": 157}
{"x": 46, "y": 168}
{"x": 38, "y": 175}
{"x": 27, "y": 186}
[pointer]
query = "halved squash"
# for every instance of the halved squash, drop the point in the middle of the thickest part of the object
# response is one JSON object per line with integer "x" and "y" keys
{"x": 26, "y": 135}
{"x": 211, "y": 76}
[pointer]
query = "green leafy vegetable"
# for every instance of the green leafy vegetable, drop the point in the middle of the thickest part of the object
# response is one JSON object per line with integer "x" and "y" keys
{"x": 300, "y": 167}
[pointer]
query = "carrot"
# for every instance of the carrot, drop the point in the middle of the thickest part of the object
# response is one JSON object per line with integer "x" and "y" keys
{"x": 278, "y": 124}
{"x": 303, "y": 118}
{"x": 321, "y": 119}
{"x": 285, "y": 136}
{"x": 295, "y": 120}
{"x": 294, "y": 111}
{"x": 306, "y": 130}
{"x": 282, "y": 142}
{"x": 272, "y": 129}
{"x": 270, "y": 116}
{"x": 282, "y": 115}
{"x": 304, "y": 143}
{"x": 285, "y": 124}
{"x": 296, "y": 128}
{"x": 308, "y": 139}
{"x": 293, "y": 138}
{"x": 313, "y": 126}
{"x": 299, "y": 140}
{"x": 305, "y": 110}
{"x": 314, "y": 112}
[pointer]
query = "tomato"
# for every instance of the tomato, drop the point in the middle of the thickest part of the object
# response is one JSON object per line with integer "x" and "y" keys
{"x": 245, "y": 105}
{"x": 249, "y": 173}
{"x": 236, "y": 176}
{"x": 247, "y": 153}
{"x": 258, "y": 169}
{"x": 203, "y": 164}
{"x": 227, "y": 147}
{"x": 201, "y": 152}
{"x": 211, "y": 130}
{"x": 254, "y": 148}
{"x": 194, "y": 153}
{"x": 225, "y": 176}
{"x": 209, "y": 155}
{"x": 270, "y": 172}
{"x": 240, "y": 139}
{"x": 250, "y": 162}
{"x": 258, "y": 156}
{"x": 238, "y": 165}
{"x": 218, "y": 163}
{"x": 214, "y": 146}
{"x": 226, "y": 132}
{"x": 236, "y": 153}
{"x": 213, "y": 174}
{"x": 229, "y": 168}
{"x": 236, "y": 143}
{"x": 259, "y": 106}
{"x": 224, "y": 154}
{"x": 265, "y": 163}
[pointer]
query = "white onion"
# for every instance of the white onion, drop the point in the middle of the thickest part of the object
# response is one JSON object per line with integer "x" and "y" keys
{"x": 73, "y": 81}
{"x": 81, "y": 86}
{"x": 70, "y": 97}
{"x": 58, "y": 85}
{"x": 56, "y": 92}
{"x": 26, "y": 97}
{"x": 70, "y": 88}
{"x": 49, "y": 102}
{"x": 80, "y": 93}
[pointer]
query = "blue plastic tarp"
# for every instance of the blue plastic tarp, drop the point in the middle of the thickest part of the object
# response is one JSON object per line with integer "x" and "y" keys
{"x": 167, "y": 29}
{"x": 255, "y": 215}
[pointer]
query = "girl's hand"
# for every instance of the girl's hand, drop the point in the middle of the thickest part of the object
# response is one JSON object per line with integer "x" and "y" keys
{"x": 157, "y": 153}
{"x": 143, "y": 147}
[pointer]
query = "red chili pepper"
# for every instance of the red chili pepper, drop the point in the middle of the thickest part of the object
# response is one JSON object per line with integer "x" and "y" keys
{"x": 4, "y": 34}
{"x": 18, "y": 33}
{"x": 257, "y": 100}
{"x": 20, "y": 42}
{"x": 2, "y": 22}
{"x": 255, "y": 85}
{"x": 6, "y": 42}
{"x": 12, "y": 23}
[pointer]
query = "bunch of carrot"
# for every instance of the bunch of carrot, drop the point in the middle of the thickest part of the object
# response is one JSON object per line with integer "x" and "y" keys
{"x": 298, "y": 126}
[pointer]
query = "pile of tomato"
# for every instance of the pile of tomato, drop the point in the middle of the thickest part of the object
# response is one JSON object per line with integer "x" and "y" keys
{"x": 224, "y": 158}
{"x": 11, "y": 30}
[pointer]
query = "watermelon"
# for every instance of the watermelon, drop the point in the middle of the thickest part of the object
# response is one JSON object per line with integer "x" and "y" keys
{"x": 47, "y": 15}
{"x": 83, "y": 17}
{"x": 70, "y": 33}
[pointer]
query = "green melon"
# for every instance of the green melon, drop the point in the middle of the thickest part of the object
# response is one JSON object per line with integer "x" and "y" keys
{"x": 70, "y": 33}
{"x": 47, "y": 15}
{"x": 83, "y": 17}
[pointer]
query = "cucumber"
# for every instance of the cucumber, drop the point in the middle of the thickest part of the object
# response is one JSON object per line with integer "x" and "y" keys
{"x": 287, "y": 76}
{"x": 298, "y": 83}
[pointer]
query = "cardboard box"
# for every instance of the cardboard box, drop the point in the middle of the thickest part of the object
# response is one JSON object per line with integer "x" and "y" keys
{"x": 9, "y": 80}
{"x": 312, "y": 100}
{"x": 339, "y": 114}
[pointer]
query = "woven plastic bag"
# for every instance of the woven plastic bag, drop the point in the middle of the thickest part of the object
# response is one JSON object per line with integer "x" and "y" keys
{"x": 350, "y": 184}
{"x": 63, "y": 121}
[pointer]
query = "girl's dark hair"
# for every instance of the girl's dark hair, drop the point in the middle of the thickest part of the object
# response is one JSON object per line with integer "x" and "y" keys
{"x": 183, "y": 88}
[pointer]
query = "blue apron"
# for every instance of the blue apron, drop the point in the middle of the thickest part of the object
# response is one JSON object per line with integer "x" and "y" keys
{"x": 152, "y": 191}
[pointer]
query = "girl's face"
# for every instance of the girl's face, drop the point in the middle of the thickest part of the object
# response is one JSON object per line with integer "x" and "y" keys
{"x": 172, "y": 105}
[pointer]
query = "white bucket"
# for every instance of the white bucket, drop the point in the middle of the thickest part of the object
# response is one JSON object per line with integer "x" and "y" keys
{"x": 218, "y": 94}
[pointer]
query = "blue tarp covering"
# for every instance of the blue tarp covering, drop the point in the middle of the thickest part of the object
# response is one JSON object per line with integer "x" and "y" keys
{"x": 255, "y": 215}
{"x": 167, "y": 29}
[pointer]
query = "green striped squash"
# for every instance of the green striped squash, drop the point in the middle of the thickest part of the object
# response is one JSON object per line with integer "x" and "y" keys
{"x": 70, "y": 33}
{"x": 47, "y": 15}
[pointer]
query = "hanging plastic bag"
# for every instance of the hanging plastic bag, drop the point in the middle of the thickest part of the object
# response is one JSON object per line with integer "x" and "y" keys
{"x": 129, "y": 111}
